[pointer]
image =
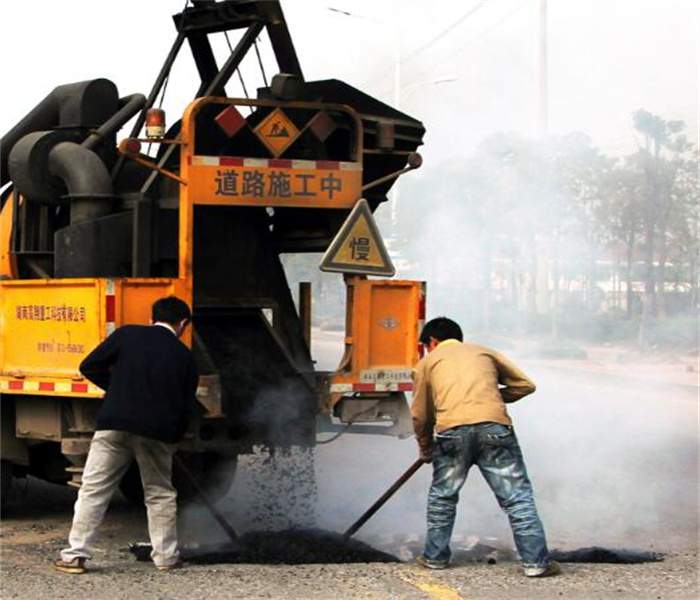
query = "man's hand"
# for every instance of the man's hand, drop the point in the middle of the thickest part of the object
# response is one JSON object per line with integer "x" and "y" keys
{"x": 426, "y": 455}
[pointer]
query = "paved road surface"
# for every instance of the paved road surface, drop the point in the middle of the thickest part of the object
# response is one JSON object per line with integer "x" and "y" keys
{"x": 614, "y": 460}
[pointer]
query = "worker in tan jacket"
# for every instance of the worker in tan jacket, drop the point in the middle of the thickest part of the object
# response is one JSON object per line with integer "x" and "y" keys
{"x": 460, "y": 419}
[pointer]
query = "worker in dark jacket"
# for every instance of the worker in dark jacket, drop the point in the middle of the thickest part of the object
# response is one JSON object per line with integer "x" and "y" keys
{"x": 150, "y": 379}
{"x": 460, "y": 419}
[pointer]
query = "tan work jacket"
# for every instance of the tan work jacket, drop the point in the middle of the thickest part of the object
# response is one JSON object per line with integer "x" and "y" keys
{"x": 460, "y": 384}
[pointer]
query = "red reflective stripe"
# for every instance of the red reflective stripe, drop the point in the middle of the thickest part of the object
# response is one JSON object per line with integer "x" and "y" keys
{"x": 328, "y": 164}
{"x": 230, "y": 161}
{"x": 405, "y": 387}
{"x": 364, "y": 387}
{"x": 110, "y": 308}
{"x": 79, "y": 388}
{"x": 16, "y": 385}
{"x": 46, "y": 386}
{"x": 279, "y": 163}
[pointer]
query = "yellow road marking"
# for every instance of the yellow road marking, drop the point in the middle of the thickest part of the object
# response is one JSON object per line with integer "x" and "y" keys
{"x": 429, "y": 585}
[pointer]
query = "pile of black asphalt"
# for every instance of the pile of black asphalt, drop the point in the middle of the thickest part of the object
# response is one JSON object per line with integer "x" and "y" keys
{"x": 288, "y": 547}
{"x": 481, "y": 552}
{"x": 316, "y": 546}
{"x": 598, "y": 554}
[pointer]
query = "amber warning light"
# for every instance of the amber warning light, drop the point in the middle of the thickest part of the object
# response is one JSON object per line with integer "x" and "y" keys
{"x": 155, "y": 123}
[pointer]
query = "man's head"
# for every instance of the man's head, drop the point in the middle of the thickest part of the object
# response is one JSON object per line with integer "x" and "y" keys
{"x": 438, "y": 330}
{"x": 173, "y": 311}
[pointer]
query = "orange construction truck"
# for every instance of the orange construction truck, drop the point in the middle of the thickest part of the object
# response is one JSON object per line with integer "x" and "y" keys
{"x": 93, "y": 231}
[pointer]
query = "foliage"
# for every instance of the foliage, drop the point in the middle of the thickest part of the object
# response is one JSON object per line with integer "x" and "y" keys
{"x": 553, "y": 235}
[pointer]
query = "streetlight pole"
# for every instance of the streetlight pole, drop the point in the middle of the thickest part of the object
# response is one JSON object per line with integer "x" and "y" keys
{"x": 544, "y": 75}
{"x": 398, "y": 97}
{"x": 396, "y": 33}
{"x": 407, "y": 91}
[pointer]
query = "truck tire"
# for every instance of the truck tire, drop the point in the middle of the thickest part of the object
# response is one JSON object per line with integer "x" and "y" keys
{"x": 215, "y": 475}
{"x": 6, "y": 477}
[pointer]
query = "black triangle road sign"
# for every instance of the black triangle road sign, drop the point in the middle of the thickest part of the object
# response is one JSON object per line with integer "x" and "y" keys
{"x": 358, "y": 247}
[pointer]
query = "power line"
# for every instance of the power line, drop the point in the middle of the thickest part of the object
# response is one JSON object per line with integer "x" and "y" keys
{"x": 434, "y": 40}
{"x": 444, "y": 32}
{"x": 473, "y": 40}
{"x": 478, "y": 37}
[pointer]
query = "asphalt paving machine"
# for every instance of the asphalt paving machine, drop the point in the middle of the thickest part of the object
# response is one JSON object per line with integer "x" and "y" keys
{"x": 93, "y": 230}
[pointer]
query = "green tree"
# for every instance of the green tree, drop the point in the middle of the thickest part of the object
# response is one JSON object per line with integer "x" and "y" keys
{"x": 660, "y": 158}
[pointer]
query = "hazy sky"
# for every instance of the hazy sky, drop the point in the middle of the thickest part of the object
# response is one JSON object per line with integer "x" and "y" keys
{"x": 607, "y": 58}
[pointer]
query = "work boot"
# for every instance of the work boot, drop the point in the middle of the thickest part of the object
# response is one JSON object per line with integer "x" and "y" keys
{"x": 74, "y": 567}
{"x": 421, "y": 561}
{"x": 554, "y": 568}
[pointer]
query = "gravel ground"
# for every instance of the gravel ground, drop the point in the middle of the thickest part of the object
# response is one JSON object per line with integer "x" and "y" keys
{"x": 34, "y": 530}
{"x": 614, "y": 460}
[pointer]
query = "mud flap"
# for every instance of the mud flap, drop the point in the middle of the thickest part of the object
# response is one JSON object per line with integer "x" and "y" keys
{"x": 12, "y": 448}
{"x": 391, "y": 407}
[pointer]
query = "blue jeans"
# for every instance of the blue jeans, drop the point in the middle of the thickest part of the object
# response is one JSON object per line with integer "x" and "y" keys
{"x": 495, "y": 450}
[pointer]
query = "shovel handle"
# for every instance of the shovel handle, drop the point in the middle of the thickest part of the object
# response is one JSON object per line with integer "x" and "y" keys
{"x": 367, "y": 515}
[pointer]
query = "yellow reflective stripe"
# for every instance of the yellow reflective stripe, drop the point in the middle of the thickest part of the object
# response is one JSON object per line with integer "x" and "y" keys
{"x": 428, "y": 585}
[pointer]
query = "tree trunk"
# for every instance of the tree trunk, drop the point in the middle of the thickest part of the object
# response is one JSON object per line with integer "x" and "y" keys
{"x": 486, "y": 287}
{"x": 554, "y": 307}
{"x": 629, "y": 272}
{"x": 649, "y": 299}
{"x": 532, "y": 288}
{"x": 693, "y": 283}
{"x": 663, "y": 256}
{"x": 514, "y": 287}
{"x": 661, "y": 279}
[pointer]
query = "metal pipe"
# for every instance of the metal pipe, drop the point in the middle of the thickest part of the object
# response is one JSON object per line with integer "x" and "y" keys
{"x": 367, "y": 515}
{"x": 86, "y": 177}
{"x": 164, "y": 72}
{"x": 305, "y": 310}
{"x": 281, "y": 39}
{"x": 66, "y": 106}
{"x": 230, "y": 532}
{"x": 128, "y": 107}
{"x": 42, "y": 117}
{"x": 217, "y": 85}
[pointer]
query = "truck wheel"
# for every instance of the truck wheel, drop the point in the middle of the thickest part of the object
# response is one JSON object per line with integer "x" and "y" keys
{"x": 214, "y": 473}
{"x": 6, "y": 476}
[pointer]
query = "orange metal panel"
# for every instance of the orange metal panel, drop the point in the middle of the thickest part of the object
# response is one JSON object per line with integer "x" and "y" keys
{"x": 294, "y": 184}
{"x": 381, "y": 343}
{"x": 392, "y": 318}
{"x": 8, "y": 266}
{"x": 48, "y": 326}
{"x": 241, "y": 181}
{"x": 135, "y": 296}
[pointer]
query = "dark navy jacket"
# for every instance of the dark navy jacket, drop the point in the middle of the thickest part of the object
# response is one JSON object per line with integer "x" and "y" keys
{"x": 150, "y": 379}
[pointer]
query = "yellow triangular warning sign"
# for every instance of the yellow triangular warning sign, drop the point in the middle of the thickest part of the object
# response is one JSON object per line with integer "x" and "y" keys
{"x": 358, "y": 247}
{"x": 277, "y": 131}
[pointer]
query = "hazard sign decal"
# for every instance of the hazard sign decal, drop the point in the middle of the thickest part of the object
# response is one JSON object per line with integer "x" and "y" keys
{"x": 358, "y": 247}
{"x": 277, "y": 132}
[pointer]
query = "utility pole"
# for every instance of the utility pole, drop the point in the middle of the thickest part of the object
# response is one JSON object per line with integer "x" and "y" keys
{"x": 544, "y": 75}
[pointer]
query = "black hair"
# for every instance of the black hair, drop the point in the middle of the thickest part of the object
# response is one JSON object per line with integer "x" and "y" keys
{"x": 170, "y": 310}
{"x": 441, "y": 328}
